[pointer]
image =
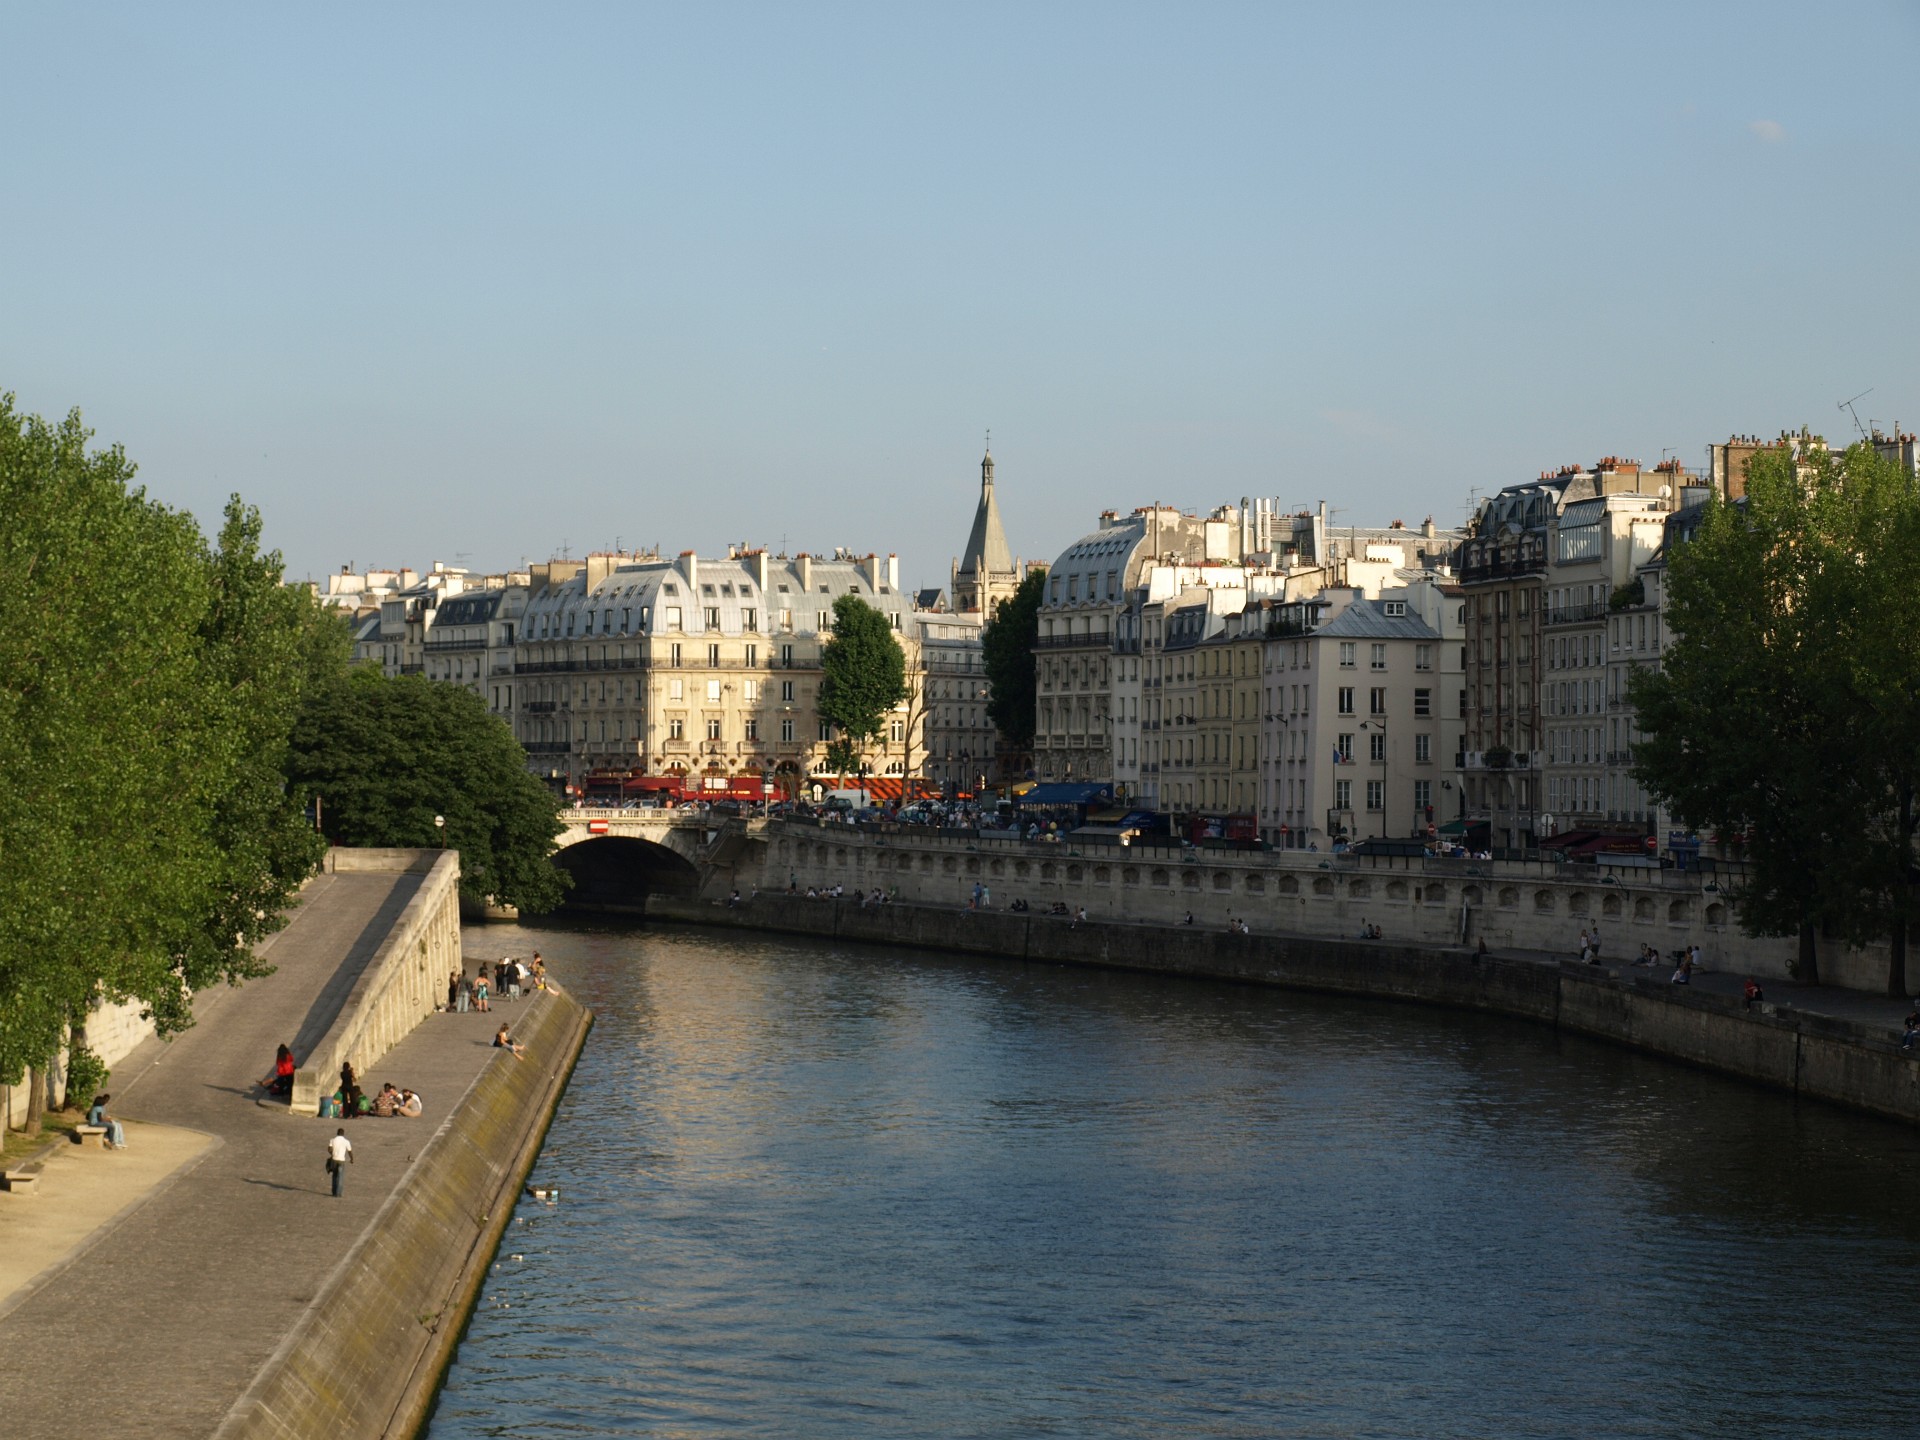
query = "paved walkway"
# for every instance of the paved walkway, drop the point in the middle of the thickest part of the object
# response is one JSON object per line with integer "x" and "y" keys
{"x": 184, "y": 1297}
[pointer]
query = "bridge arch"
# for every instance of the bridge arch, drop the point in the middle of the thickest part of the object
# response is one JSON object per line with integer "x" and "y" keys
{"x": 619, "y": 872}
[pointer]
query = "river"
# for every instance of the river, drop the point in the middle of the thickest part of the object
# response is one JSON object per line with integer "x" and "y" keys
{"x": 818, "y": 1190}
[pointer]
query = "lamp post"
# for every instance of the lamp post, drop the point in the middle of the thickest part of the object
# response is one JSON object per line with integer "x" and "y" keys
{"x": 440, "y": 830}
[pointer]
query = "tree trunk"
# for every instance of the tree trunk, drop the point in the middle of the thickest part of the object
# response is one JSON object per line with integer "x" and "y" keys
{"x": 1808, "y": 971}
{"x": 36, "y": 1100}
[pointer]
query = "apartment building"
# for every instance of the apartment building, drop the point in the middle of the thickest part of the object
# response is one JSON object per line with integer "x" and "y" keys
{"x": 1503, "y": 580}
{"x": 697, "y": 667}
{"x": 1360, "y": 706}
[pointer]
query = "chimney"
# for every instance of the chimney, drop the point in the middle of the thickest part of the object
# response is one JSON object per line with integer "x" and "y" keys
{"x": 690, "y": 567}
{"x": 870, "y": 567}
{"x": 804, "y": 561}
{"x": 893, "y": 573}
{"x": 760, "y": 569}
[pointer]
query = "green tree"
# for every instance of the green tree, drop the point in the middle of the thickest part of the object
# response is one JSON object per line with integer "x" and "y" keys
{"x": 1007, "y": 652}
{"x": 386, "y": 756}
{"x": 1787, "y": 708}
{"x": 139, "y": 748}
{"x": 863, "y": 676}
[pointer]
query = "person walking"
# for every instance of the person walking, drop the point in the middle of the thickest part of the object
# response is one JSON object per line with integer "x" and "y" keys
{"x": 339, "y": 1156}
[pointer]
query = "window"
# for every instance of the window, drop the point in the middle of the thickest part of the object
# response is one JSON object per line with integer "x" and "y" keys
{"x": 1377, "y": 701}
{"x": 676, "y": 690}
{"x": 1346, "y": 654}
{"x": 713, "y": 692}
{"x": 826, "y": 621}
{"x": 749, "y": 620}
{"x": 1423, "y": 796}
{"x": 752, "y": 731}
{"x": 1423, "y": 749}
{"x": 1344, "y": 744}
{"x": 753, "y": 656}
{"x": 786, "y": 691}
{"x": 673, "y": 617}
{"x": 626, "y": 619}
{"x": 1343, "y": 794}
{"x": 826, "y": 732}
{"x": 786, "y": 731}
{"x": 673, "y": 656}
{"x": 713, "y": 729}
{"x": 670, "y": 589}
{"x": 897, "y": 732}
{"x": 1376, "y": 747}
{"x": 1377, "y": 658}
{"x": 1375, "y": 794}
{"x": 1395, "y": 607}
{"x": 786, "y": 619}
{"x": 1346, "y": 699}
{"x": 750, "y": 690}
{"x": 786, "y": 656}
{"x": 713, "y": 657}
{"x": 676, "y": 729}
{"x": 713, "y": 617}
{"x": 706, "y": 589}
{"x": 1423, "y": 657}
{"x": 1423, "y": 702}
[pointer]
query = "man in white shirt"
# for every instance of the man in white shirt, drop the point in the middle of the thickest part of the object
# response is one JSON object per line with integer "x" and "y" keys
{"x": 339, "y": 1156}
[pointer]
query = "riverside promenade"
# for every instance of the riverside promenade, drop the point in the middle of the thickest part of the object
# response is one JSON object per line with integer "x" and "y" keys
{"x": 158, "y": 1322}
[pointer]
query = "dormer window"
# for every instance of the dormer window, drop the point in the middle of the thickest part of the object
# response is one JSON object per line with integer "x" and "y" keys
{"x": 1396, "y": 607}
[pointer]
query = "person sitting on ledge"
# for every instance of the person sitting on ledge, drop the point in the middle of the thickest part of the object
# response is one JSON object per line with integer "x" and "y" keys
{"x": 281, "y": 1081}
{"x": 116, "y": 1138}
{"x": 503, "y": 1041}
{"x": 1753, "y": 993}
{"x": 409, "y": 1107}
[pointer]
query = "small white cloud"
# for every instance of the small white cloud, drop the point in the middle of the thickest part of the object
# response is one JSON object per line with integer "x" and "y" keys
{"x": 1771, "y": 131}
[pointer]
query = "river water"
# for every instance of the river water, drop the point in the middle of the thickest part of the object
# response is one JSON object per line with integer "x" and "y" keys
{"x": 815, "y": 1190}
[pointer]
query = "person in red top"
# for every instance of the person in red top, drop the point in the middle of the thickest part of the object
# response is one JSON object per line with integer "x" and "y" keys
{"x": 281, "y": 1081}
{"x": 1753, "y": 992}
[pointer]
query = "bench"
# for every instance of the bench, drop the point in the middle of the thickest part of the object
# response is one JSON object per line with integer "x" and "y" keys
{"x": 18, "y": 1182}
{"x": 80, "y": 1133}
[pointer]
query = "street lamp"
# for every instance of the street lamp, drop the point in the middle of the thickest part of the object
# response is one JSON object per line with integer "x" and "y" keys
{"x": 440, "y": 830}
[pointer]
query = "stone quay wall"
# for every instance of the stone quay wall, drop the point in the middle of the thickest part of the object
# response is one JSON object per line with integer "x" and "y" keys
{"x": 1817, "y": 1056}
{"x": 400, "y": 984}
{"x": 1512, "y": 905}
{"x": 367, "y": 1360}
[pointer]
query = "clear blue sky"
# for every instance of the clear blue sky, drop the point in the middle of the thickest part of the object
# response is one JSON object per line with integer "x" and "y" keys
{"x": 435, "y": 281}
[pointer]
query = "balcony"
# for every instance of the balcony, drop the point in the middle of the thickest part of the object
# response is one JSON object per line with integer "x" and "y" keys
{"x": 1077, "y": 642}
{"x": 547, "y": 747}
{"x": 1574, "y": 614}
{"x": 1514, "y": 568}
{"x": 539, "y": 707}
{"x": 1499, "y": 760}
{"x": 435, "y": 645}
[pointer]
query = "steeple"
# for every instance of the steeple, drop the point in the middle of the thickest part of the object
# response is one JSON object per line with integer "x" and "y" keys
{"x": 986, "y": 566}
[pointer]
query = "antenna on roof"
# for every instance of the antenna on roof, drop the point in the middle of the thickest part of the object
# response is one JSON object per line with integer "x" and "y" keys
{"x": 1847, "y": 405}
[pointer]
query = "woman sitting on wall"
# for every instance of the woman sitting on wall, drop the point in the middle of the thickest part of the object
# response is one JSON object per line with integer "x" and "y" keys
{"x": 280, "y": 1082}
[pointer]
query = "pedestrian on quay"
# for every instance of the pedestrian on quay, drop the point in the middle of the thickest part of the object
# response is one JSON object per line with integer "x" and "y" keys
{"x": 464, "y": 994}
{"x": 1913, "y": 1027}
{"x": 1752, "y": 993}
{"x": 480, "y": 991}
{"x": 339, "y": 1156}
{"x": 453, "y": 989}
{"x": 1586, "y": 947}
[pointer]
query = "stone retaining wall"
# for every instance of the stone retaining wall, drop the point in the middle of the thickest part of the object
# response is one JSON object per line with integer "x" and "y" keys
{"x": 367, "y": 1359}
{"x": 1518, "y": 906}
{"x": 1813, "y": 1055}
{"x": 404, "y": 978}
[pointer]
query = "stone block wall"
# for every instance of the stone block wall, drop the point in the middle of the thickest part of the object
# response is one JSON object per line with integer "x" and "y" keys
{"x": 1512, "y": 906}
{"x": 404, "y": 978}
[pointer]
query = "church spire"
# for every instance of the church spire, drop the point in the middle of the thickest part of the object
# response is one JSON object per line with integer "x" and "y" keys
{"x": 986, "y": 566}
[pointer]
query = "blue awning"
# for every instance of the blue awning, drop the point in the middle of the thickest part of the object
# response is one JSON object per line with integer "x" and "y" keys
{"x": 1085, "y": 794}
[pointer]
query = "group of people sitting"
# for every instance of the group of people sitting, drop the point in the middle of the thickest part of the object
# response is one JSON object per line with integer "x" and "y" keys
{"x": 350, "y": 1102}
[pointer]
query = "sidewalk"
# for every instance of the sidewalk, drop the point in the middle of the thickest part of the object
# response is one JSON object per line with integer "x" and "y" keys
{"x": 182, "y": 1297}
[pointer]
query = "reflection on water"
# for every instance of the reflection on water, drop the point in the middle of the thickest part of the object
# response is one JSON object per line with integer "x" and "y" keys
{"x": 811, "y": 1190}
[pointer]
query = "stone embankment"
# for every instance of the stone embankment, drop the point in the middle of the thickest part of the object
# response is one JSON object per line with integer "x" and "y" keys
{"x": 1512, "y": 905}
{"x": 1824, "y": 1057}
{"x": 237, "y": 1295}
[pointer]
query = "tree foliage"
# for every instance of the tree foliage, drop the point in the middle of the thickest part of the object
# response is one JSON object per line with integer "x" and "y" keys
{"x": 386, "y": 756}
{"x": 1007, "y": 648}
{"x": 863, "y": 673}
{"x": 1787, "y": 708}
{"x": 146, "y": 680}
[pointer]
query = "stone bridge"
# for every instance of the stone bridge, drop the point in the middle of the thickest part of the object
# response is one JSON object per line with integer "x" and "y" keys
{"x": 618, "y": 857}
